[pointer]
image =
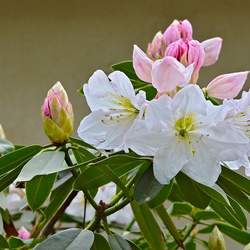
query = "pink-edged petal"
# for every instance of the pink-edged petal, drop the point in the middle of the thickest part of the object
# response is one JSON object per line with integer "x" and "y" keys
{"x": 212, "y": 49}
{"x": 227, "y": 86}
{"x": 167, "y": 74}
{"x": 142, "y": 64}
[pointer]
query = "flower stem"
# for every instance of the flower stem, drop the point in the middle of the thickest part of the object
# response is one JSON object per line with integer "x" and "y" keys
{"x": 166, "y": 219}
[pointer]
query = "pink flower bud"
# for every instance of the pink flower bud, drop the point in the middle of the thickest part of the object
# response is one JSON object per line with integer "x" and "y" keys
{"x": 156, "y": 49}
{"x": 57, "y": 115}
{"x": 178, "y": 30}
{"x": 188, "y": 52}
{"x": 23, "y": 233}
{"x": 142, "y": 64}
{"x": 226, "y": 86}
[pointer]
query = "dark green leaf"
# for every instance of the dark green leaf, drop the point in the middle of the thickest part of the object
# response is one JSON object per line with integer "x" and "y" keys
{"x": 240, "y": 181}
{"x": 13, "y": 159}
{"x": 180, "y": 208}
{"x": 148, "y": 225}
{"x": 15, "y": 242}
{"x": 127, "y": 68}
{"x": 233, "y": 191}
{"x": 238, "y": 212}
{"x": 45, "y": 163}
{"x": 190, "y": 245}
{"x": 191, "y": 191}
{"x": 95, "y": 176}
{"x": 226, "y": 214}
{"x": 205, "y": 215}
{"x": 234, "y": 233}
{"x": 148, "y": 189}
{"x": 70, "y": 239}
{"x": 81, "y": 143}
{"x": 3, "y": 243}
{"x": 38, "y": 190}
{"x": 82, "y": 155}
{"x": 100, "y": 243}
{"x": 58, "y": 196}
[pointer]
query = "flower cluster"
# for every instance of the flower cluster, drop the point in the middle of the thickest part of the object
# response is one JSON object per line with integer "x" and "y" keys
{"x": 181, "y": 128}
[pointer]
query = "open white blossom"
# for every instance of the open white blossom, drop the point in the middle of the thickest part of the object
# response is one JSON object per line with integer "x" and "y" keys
{"x": 187, "y": 133}
{"x": 239, "y": 117}
{"x": 115, "y": 108}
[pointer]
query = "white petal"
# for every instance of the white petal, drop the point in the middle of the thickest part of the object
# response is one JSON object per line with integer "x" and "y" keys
{"x": 158, "y": 112}
{"x": 121, "y": 84}
{"x": 94, "y": 130}
{"x": 204, "y": 166}
{"x": 190, "y": 99}
{"x": 144, "y": 141}
{"x": 169, "y": 160}
{"x": 98, "y": 91}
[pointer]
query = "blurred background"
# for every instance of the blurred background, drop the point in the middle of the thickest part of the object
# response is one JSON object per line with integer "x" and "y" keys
{"x": 46, "y": 41}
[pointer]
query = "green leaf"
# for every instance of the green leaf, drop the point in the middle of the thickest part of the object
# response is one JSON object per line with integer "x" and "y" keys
{"x": 95, "y": 176}
{"x": 180, "y": 208}
{"x": 148, "y": 189}
{"x": 127, "y": 68}
{"x": 3, "y": 243}
{"x": 82, "y": 155}
{"x": 100, "y": 243}
{"x": 146, "y": 87}
{"x": 58, "y": 196}
{"x": 45, "y": 163}
{"x": 81, "y": 143}
{"x": 226, "y": 213}
{"x": 233, "y": 191}
{"x": 70, "y": 239}
{"x": 15, "y": 242}
{"x": 13, "y": 159}
{"x": 238, "y": 212}
{"x": 38, "y": 190}
{"x": 10, "y": 177}
{"x": 118, "y": 243}
{"x": 205, "y": 215}
{"x": 234, "y": 233}
{"x": 5, "y": 146}
{"x": 191, "y": 191}
{"x": 238, "y": 180}
{"x": 190, "y": 245}
{"x": 148, "y": 225}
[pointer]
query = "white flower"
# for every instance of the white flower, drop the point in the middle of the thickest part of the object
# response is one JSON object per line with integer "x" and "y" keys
{"x": 115, "y": 108}
{"x": 239, "y": 117}
{"x": 187, "y": 134}
{"x": 105, "y": 193}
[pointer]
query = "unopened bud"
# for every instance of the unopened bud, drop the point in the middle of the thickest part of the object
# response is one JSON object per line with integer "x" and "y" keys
{"x": 216, "y": 240}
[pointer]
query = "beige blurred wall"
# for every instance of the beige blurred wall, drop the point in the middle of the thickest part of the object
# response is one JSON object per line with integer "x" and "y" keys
{"x": 45, "y": 41}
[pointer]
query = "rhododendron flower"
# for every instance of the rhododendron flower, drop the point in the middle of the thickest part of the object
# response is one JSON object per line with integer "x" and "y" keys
{"x": 57, "y": 115}
{"x": 190, "y": 137}
{"x": 115, "y": 109}
{"x": 226, "y": 86}
{"x": 239, "y": 117}
{"x": 177, "y": 42}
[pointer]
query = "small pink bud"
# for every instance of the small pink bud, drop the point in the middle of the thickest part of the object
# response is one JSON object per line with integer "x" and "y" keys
{"x": 188, "y": 52}
{"x": 212, "y": 48}
{"x": 178, "y": 30}
{"x": 57, "y": 115}
{"x": 226, "y": 86}
{"x": 156, "y": 49}
{"x": 23, "y": 233}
